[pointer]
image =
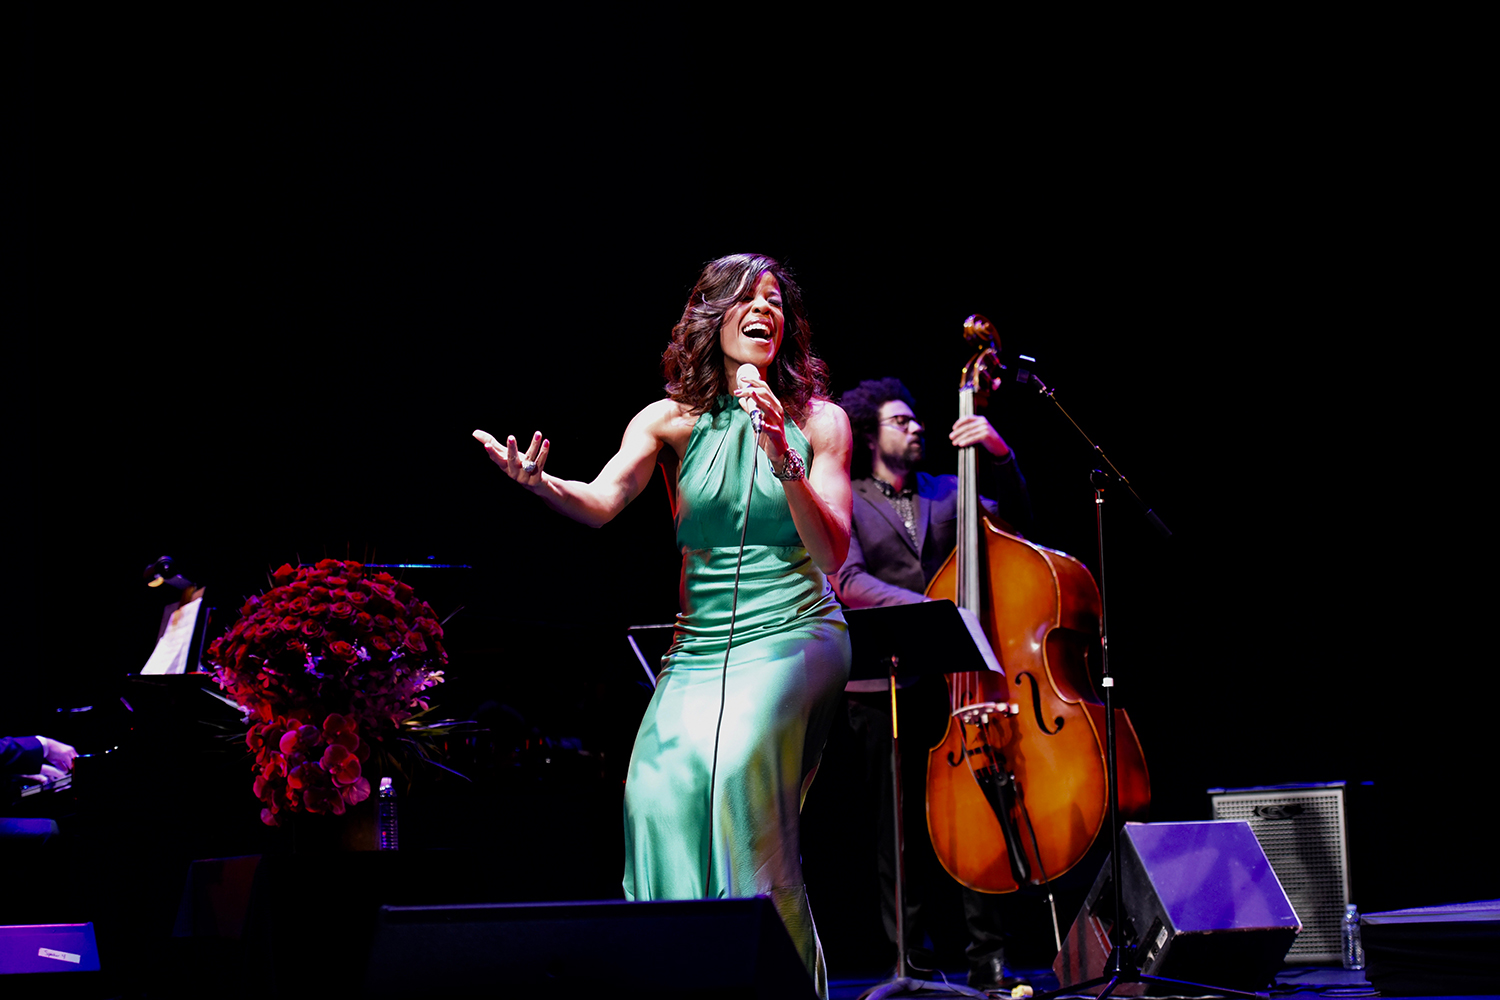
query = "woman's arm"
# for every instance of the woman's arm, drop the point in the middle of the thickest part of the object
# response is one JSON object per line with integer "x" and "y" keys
{"x": 822, "y": 503}
{"x": 619, "y": 482}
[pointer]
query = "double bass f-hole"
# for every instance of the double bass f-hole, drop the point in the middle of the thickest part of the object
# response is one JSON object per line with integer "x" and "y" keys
{"x": 1036, "y": 705}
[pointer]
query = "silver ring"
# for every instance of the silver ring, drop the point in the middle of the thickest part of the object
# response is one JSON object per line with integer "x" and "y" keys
{"x": 529, "y": 466}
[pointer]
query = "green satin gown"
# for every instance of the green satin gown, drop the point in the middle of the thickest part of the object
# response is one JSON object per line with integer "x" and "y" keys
{"x": 788, "y": 666}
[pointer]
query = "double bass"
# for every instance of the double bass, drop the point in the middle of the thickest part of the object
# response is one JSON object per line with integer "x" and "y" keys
{"x": 1018, "y": 788}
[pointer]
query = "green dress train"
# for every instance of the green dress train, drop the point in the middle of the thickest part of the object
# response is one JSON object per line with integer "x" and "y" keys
{"x": 786, "y": 672}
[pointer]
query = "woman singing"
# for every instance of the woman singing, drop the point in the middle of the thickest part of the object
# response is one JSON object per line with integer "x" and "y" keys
{"x": 712, "y": 806}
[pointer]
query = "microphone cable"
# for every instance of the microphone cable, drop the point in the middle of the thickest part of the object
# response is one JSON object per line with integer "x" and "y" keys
{"x": 729, "y": 645}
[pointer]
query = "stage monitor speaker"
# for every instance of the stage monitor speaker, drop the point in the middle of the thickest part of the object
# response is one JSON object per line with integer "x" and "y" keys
{"x": 732, "y": 948}
{"x": 1202, "y": 904}
{"x": 1304, "y": 831}
{"x": 47, "y": 948}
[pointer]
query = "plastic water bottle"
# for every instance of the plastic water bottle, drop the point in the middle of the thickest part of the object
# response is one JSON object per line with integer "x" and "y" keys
{"x": 1354, "y": 949}
{"x": 390, "y": 826}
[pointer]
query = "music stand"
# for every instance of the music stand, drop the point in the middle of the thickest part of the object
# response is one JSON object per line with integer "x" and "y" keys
{"x": 934, "y": 637}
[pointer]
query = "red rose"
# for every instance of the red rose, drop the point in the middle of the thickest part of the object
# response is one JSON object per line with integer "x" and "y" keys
{"x": 414, "y": 642}
{"x": 284, "y": 575}
{"x": 342, "y": 611}
{"x": 329, "y": 565}
{"x": 291, "y": 623}
{"x": 341, "y": 650}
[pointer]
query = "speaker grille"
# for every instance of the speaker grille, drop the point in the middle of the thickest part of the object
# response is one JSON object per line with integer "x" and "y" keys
{"x": 1304, "y": 834}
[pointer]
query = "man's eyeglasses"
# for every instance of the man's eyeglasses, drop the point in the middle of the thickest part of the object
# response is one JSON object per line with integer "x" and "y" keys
{"x": 902, "y": 420}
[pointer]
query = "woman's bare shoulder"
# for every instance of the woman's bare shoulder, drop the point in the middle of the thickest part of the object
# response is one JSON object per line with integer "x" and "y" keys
{"x": 827, "y": 424}
{"x": 668, "y": 421}
{"x": 666, "y": 412}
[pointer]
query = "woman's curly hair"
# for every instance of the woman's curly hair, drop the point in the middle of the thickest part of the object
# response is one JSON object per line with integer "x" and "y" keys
{"x": 693, "y": 362}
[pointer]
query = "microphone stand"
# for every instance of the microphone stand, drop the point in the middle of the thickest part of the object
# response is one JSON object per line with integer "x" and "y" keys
{"x": 1121, "y": 967}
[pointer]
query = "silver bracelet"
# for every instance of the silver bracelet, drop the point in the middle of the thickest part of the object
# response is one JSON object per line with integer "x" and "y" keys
{"x": 795, "y": 467}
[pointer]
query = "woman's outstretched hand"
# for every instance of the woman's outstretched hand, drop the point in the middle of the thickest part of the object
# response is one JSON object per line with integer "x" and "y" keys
{"x": 525, "y": 468}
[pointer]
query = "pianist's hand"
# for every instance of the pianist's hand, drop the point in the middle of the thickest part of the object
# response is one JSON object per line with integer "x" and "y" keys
{"x": 49, "y": 773}
{"x": 58, "y": 754}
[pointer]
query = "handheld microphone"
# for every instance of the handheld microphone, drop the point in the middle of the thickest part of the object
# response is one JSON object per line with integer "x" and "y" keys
{"x": 745, "y": 373}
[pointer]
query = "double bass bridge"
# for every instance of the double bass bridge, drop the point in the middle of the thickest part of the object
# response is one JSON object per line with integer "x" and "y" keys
{"x": 980, "y": 713}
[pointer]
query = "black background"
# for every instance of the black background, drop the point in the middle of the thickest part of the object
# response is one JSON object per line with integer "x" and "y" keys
{"x": 277, "y": 270}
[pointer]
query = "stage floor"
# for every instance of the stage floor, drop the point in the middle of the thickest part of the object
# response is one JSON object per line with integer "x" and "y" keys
{"x": 1293, "y": 981}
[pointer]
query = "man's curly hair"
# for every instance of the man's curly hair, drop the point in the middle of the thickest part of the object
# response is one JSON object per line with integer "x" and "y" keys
{"x": 693, "y": 362}
{"x": 862, "y": 404}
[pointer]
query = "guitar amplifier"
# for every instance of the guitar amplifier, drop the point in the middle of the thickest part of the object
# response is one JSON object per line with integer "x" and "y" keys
{"x": 1304, "y": 831}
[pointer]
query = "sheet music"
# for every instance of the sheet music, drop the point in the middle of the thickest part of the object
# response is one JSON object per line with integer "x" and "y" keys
{"x": 170, "y": 654}
{"x": 976, "y": 631}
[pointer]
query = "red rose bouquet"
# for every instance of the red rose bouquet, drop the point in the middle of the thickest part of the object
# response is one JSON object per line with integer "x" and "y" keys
{"x": 327, "y": 663}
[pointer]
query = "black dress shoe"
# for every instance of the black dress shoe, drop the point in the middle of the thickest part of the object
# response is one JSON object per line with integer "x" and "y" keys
{"x": 990, "y": 975}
